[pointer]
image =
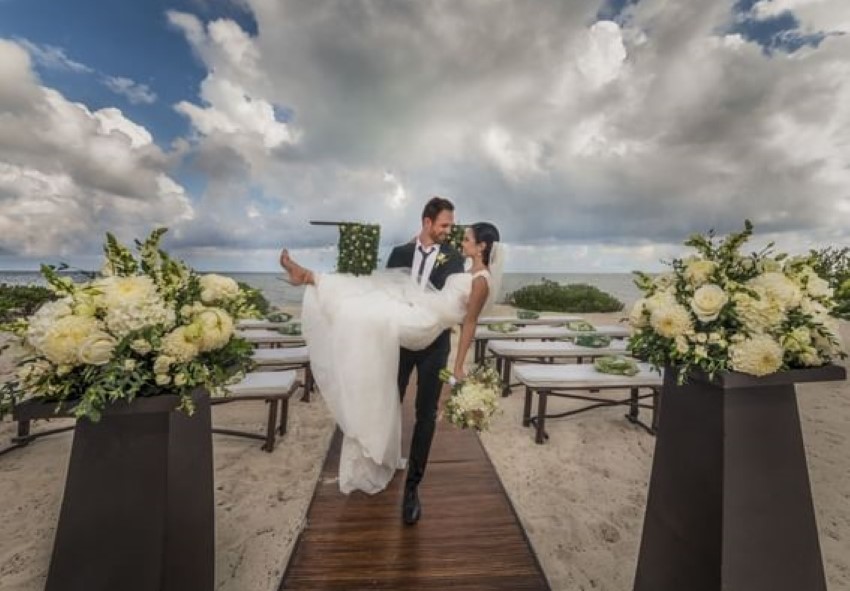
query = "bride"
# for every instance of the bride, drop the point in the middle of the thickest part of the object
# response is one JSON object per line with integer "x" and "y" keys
{"x": 354, "y": 328}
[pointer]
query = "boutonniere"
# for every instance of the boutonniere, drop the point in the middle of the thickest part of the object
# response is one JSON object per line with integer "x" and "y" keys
{"x": 441, "y": 258}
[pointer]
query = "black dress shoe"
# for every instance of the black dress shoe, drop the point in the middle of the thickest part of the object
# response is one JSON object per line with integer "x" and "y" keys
{"x": 411, "y": 510}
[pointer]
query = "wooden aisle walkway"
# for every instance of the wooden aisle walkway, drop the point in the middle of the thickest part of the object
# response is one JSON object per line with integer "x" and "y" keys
{"x": 469, "y": 537}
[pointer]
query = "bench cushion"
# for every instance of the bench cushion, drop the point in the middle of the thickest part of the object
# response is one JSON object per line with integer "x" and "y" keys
{"x": 553, "y": 349}
{"x": 581, "y": 377}
{"x": 264, "y": 383}
{"x": 281, "y": 356}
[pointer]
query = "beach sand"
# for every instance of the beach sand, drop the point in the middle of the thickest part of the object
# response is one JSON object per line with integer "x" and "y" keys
{"x": 580, "y": 497}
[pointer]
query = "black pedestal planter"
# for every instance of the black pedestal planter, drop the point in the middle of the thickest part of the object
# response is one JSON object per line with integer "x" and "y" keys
{"x": 730, "y": 506}
{"x": 137, "y": 513}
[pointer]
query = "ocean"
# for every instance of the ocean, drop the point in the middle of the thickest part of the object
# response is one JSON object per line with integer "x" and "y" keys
{"x": 280, "y": 293}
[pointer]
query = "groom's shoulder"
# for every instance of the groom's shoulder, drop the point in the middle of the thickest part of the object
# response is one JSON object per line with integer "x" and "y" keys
{"x": 449, "y": 250}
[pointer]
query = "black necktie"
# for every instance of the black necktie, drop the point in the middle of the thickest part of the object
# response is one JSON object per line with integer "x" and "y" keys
{"x": 425, "y": 255}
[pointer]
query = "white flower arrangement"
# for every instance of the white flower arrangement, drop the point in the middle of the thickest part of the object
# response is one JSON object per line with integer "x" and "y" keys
{"x": 719, "y": 310}
{"x": 144, "y": 327}
{"x": 473, "y": 401}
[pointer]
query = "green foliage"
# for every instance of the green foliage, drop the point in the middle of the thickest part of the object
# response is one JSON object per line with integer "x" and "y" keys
{"x": 456, "y": 236}
{"x": 19, "y": 301}
{"x": 358, "y": 248}
{"x": 554, "y": 297}
{"x": 254, "y": 298}
{"x": 833, "y": 264}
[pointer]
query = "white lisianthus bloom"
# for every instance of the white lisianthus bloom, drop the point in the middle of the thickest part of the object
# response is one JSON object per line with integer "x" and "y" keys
{"x": 180, "y": 379}
{"x": 32, "y": 372}
{"x": 671, "y": 321}
{"x": 759, "y": 314}
{"x": 162, "y": 379}
{"x": 162, "y": 364}
{"x": 810, "y": 357}
{"x": 759, "y": 355}
{"x": 636, "y": 317}
{"x": 129, "y": 365}
{"x": 180, "y": 344}
{"x": 708, "y": 301}
{"x": 216, "y": 328}
{"x": 217, "y": 288}
{"x": 141, "y": 346}
{"x": 97, "y": 349}
{"x": 682, "y": 345}
{"x": 61, "y": 344}
{"x": 698, "y": 272}
{"x": 700, "y": 352}
{"x": 779, "y": 287}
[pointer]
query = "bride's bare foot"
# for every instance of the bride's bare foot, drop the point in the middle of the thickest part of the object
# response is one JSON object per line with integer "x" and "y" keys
{"x": 298, "y": 275}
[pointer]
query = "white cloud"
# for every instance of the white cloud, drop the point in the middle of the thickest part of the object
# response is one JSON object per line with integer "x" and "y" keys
{"x": 67, "y": 174}
{"x": 136, "y": 93}
{"x": 53, "y": 57}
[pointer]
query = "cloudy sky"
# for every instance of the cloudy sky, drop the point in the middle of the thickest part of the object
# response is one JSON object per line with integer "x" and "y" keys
{"x": 596, "y": 134}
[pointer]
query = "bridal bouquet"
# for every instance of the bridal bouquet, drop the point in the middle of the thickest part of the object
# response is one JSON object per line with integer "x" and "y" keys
{"x": 720, "y": 310}
{"x": 145, "y": 325}
{"x": 474, "y": 401}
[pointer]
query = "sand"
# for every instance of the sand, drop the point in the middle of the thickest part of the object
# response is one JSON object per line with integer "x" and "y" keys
{"x": 580, "y": 497}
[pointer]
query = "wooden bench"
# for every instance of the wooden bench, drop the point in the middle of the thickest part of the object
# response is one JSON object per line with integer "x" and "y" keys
{"x": 273, "y": 387}
{"x": 288, "y": 358}
{"x": 506, "y": 353}
{"x": 565, "y": 380}
{"x": 484, "y": 335}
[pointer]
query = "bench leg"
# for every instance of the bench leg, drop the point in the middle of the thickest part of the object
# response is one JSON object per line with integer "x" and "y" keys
{"x": 270, "y": 427}
{"x": 308, "y": 384}
{"x": 23, "y": 430}
{"x": 506, "y": 377}
{"x": 634, "y": 409}
{"x": 284, "y": 417}
{"x": 526, "y": 409}
{"x": 656, "y": 394}
{"x": 540, "y": 436}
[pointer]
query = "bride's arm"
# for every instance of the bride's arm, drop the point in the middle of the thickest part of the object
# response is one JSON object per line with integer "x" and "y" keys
{"x": 477, "y": 298}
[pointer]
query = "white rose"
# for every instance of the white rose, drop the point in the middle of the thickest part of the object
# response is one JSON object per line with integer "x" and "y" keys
{"x": 708, "y": 301}
{"x": 180, "y": 379}
{"x": 162, "y": 379}
{"x": 180, "y": 344}
{"x": 758, "y": 356}
{"x": 698, "y": 272}
{"x": 216, "y": 288}
{"x": 129, "y": 365}
{"x": 97, "y": 349}
{"x": 215, "y": 327}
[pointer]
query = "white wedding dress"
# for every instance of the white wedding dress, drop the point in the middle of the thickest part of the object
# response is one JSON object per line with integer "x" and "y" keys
{"x": 354, "y": 327}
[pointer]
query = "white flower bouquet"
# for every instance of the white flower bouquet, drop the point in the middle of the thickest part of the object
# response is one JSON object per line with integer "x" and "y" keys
{"x": 144, "y": 326}
{"x": 473, "y": 401}
{"x": 719, "y": 310}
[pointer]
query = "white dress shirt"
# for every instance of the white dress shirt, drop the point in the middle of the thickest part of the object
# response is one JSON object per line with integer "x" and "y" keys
{"x": 432, "y": 251}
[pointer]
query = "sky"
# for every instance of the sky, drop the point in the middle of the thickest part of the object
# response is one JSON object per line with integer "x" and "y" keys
{"x": 597, "y": 135}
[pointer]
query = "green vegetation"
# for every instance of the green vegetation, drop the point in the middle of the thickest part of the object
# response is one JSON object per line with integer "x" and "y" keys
{"x": 254, "y": 297}
{"x": 553, "y": 297}
{"x": 19, "y": 301}
{"x": 833, "y": 264}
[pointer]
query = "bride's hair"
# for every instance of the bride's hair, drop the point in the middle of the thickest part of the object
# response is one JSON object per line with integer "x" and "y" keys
{"x": 488, "y": 234}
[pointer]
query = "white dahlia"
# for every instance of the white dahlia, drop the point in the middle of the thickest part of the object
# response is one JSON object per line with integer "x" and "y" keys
{"x": 671, "y": 320}
{"x": 698, "y": 272}
{"x": 759, "y": 355}
{"x": 759, "y": 314}
{"x": 779, "y": 287}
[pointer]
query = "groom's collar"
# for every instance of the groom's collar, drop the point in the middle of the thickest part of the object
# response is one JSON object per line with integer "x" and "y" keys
{"x": 428, "y": 249}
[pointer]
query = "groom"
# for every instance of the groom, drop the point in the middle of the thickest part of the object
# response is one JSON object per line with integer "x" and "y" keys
{"x": 430, "y": 260}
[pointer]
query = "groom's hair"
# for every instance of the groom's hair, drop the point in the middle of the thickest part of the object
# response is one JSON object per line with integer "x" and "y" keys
{"x": 434, "y": 206}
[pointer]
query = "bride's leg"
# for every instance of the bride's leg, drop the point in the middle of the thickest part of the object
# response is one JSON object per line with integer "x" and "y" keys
{"x": 298, "y": 275}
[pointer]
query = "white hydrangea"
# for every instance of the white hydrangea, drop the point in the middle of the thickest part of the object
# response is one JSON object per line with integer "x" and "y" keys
{"x": 180, "y": 345}
{"x": 759, "y": 355}
{"x": 217, "y": 288}
{"x": 44, "y": 318}
{"x": 215, "y": 328}
{"x": 671, "y": 320}
{"x": 61, "y": 344}
{"x": 779, "y": 287}
{"x": 708, "y": 301}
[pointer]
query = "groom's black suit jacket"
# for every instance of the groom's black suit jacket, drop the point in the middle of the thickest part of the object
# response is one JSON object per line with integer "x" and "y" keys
{"x": 402, "y": 257}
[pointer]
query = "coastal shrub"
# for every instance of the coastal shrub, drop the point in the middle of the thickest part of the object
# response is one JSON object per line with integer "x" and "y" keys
{"x": 554, "y": 297}
{"x": 20, "y": 301}
{"x": 833, "y": 264}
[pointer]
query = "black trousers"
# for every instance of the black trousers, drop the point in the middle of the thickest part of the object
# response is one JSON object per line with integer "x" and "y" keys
{"x": 428, "y": 363}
